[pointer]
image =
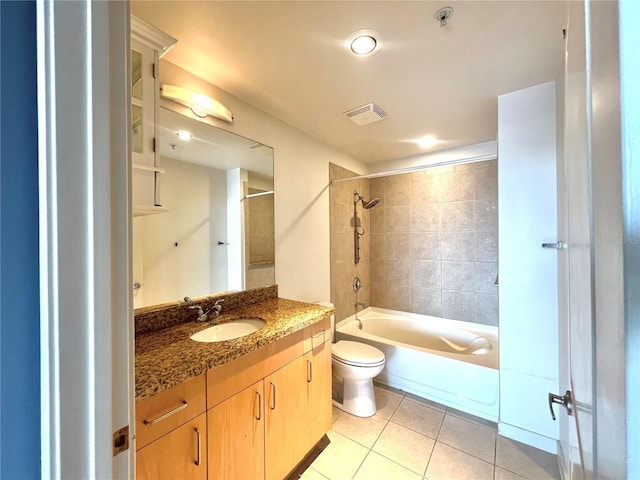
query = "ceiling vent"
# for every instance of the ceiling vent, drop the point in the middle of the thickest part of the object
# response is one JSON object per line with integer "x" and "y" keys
{"x": 366, "y": 114}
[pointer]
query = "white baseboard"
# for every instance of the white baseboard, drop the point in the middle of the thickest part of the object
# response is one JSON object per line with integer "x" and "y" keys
{"x": 529, "y": 438}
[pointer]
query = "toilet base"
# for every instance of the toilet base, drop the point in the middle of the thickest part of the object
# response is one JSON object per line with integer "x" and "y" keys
{"x": 358, "y": 397}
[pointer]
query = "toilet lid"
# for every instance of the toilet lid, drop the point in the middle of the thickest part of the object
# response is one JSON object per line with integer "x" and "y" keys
{"x": 356, "y": 353}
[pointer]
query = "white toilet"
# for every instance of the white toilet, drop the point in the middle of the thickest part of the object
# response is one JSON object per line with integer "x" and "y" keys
{"x": 354, "y": 365}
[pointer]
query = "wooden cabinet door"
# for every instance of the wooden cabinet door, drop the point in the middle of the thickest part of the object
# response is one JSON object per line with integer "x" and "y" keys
{"x": 317, "y": 412}
{"x": 236, "y": 436}
{"x": 285, "y": 402}
{"x": 179, "y": 454}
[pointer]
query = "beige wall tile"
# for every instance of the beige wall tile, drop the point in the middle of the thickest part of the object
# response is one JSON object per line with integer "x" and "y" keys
{"x": 431, "y": 244}
{"x": 456, "y": 216}
{"x": 486, "y": 246}
{"x": 426, "y": 273}
{"x": 457, "y": 186}
{"x": 399, "y": 271}
{"x": 427, "y": 301}
{"x": 398, "y": 297}
{"x": 458, "y": 305}
{"x": 426, "y": 218}
{"x": 397, "y": 219}
{"x": 397, "y": 191}
{"x": 486, "y": 216}
{"x": 458, "y": 246}
{"x": 398, "y": 246}
{"x": 458, "y": 276}
{"x": 425, "y": 246}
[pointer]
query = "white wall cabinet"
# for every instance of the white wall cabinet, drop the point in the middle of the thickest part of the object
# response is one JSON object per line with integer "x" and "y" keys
{"x": 148, "y": 44}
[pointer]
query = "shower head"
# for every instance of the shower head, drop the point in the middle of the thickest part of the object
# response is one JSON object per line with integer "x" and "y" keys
{"x": 366, "y": 205}
{"x": 371, "y": 203}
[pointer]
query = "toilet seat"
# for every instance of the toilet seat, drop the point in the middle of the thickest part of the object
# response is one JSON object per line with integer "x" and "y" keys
{"x": 357, "y": 354}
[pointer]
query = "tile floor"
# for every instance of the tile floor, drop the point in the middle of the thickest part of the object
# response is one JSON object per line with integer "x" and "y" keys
{"x": 412, "y": 438}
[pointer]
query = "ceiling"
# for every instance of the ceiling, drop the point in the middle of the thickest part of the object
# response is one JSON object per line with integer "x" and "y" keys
{"x": 289, "y": 59}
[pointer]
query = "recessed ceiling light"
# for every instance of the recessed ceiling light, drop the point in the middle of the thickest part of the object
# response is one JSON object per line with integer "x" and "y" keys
{"x": 364, "y": 42}
{"x": 428, "y": 141}
{"x": 184, "y": 135}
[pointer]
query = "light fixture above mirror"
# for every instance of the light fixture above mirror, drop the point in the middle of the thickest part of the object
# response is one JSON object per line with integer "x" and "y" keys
{"x": 200, "y": 104}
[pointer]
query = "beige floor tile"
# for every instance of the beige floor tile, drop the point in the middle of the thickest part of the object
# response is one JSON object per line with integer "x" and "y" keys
{"x": 471, "y": 438}
{"x": 406, "y": 447}
{"x": 525, "y": 460}
{"x": 418, "y": 417}
{"x": 365, "y": 431}
{"x": 311, "y": 474}
{"x": 376, "y": 467}
{"x": 341, "y": 459}
{"x": 335, "y": 413}
{"x": 447, "y": 463}
{"x": 502, "y": 474}
{"x": 386, "y": 402}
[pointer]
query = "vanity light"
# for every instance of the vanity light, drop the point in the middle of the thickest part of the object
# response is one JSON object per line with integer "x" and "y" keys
{"x": 184, "y": 135}
{"x": 365, "y": 42}
{"x": 200, "y": 104}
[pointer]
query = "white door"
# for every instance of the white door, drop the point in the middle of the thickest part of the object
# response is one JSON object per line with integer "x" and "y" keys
{"x": 574, "y": 263}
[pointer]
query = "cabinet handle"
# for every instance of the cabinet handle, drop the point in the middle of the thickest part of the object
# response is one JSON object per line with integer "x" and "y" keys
{"x": 273, "y": 396}
{"x": 166, "y": 415}
{"x": 197, "y": 462}
{"x": 259, "y": 405}
{"x": 318, "y": 334}
{"x": 309, "y": 371}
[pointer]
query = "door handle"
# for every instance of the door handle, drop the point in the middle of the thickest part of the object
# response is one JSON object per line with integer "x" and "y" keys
{"x": 555, "y": 245}
{"x": 566, "y": 401}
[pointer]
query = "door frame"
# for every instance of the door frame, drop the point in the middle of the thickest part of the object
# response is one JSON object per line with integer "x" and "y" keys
{"x": 85, "y": 238}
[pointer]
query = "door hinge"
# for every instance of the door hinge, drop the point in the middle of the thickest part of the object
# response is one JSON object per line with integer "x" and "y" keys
{"x": 154, "y": 70}
{"x": 120, "y": 440}
{"x": 153, "y": 146}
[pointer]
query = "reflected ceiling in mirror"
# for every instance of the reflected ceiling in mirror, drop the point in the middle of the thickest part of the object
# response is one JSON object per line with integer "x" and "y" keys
{"x": 218, "y": 234}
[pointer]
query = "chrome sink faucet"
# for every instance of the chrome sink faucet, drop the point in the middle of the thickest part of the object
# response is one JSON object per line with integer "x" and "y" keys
{"x": 202, "y": 315}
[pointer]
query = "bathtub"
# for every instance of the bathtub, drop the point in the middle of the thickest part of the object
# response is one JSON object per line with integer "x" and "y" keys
{"x": 447, "y": 361}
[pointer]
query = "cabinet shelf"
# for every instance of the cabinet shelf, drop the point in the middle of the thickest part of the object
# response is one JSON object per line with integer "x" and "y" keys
{"x": 147, "y": 168}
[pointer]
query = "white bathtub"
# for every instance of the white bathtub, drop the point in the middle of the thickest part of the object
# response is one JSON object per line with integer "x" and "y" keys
{"x": 450, "y": 362}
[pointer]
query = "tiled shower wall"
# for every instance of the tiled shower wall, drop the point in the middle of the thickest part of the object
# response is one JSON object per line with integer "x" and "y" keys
{"x": 343, "y": 268}
{"x": 434, "y": 242}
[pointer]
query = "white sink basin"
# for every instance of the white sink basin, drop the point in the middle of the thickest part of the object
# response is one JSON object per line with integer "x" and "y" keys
{"x": 230, "y": 330}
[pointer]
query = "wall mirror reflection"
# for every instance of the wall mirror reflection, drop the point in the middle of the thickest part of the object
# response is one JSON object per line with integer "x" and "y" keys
{"x": 218, "y": 234}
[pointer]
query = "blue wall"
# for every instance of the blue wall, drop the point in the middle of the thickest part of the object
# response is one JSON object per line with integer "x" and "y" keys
{"x": 19, "y": 290}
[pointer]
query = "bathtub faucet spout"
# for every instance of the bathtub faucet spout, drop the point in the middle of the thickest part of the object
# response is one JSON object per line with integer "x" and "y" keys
{"x": 360, "y": 305}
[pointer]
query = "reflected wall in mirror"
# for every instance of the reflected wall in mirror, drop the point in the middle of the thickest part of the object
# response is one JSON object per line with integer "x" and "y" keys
{"x": 218, "y": 234}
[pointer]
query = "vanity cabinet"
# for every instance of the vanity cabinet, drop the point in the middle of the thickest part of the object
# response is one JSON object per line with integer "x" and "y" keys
{"x": 179, "y": 454}
{"x": 171, "y": 432}
{"x": 255, "y": 417}
{"x": 148, "y": 44}
{"x": 236, "y": 435}
{"x": 268, "y": 408}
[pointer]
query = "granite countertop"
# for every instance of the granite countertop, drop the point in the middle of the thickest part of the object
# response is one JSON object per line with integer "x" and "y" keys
{"x": 168, "y": 357}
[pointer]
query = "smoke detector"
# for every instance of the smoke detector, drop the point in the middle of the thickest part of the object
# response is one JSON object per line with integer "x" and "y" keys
{"x": 443, "y": 15}
{"x": 366, "y": 114}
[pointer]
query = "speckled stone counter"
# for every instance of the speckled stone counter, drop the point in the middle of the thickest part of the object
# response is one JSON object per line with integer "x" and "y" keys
{"x": 167, "y": 357}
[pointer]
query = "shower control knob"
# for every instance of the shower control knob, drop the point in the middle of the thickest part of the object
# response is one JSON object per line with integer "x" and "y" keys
{"x": 357, "y": 284}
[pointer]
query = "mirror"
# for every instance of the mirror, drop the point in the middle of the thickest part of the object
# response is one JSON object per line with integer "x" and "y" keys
{"x": 218, "y": 234}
